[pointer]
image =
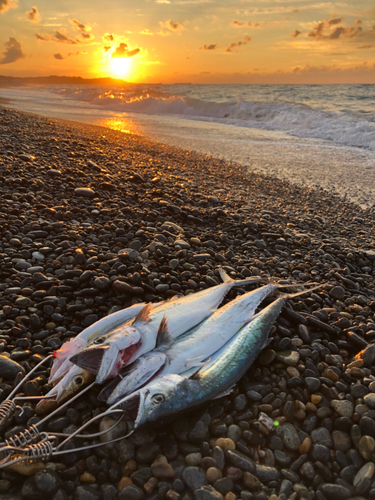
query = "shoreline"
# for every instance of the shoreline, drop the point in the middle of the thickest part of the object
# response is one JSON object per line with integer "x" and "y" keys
{"x": 55, "y": 244}
{"x": 310, "y": 163}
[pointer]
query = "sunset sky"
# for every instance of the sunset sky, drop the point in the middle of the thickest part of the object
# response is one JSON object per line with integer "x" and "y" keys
{"x": 198, "y": 41}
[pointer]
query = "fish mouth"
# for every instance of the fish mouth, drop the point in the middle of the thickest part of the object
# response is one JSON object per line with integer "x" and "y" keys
{"x": 90, "y": 359}
{"x": 46, "y": 406}
{"x": 131, "y": 406}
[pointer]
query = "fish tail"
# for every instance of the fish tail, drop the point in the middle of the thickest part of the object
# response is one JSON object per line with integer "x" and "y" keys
{"x": 248, "y": 281}
{"x": 296, "y": 294}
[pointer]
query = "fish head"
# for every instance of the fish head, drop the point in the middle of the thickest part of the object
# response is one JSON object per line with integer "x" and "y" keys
{"x": 106, "y": 355}
{"x": 139, "y": 373}
{"x": 66, "y": 388}
{"x": 165, "y": 396}
{"x": 61, "y": 364}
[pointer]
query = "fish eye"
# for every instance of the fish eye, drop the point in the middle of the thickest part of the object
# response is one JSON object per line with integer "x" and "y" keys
{"x": 78, "y": 380}
{"x": 100, "y": 340}
{"x": 158, "y": 398}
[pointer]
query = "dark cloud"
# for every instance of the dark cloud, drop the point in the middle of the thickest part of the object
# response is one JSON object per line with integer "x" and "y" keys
{"x": 212, "y": 46}
{"x": 236, "y": 23}
{"x": 59, "y": 37}
{"x": 12, "y": 52}
{"x": 174, "y": 26}
{"x": 87, "y": 36}
{"x": 236, "y": 45}
{"x": 58, "y": 56}
{"x": 122, "y": 50}
{"x": 33, "y": 15}
{"x": 295, "y": 33}
{"x": 328, "y": 29}
{"x": 106, "y": 48}
{"x": 7, "y": 4}
{"x": 80, "y": 26}
{"x": 108, "y": 37}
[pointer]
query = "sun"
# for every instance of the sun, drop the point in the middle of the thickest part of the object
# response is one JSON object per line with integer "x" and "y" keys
{"x": 120, "y": 66}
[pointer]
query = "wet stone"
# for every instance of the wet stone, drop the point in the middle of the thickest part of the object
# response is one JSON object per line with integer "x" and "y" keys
{"x": 312, "y": 383}
{"x": 337, "y": 293}
{"x": 84, "y": 192}
{"x": 9, "y": 368}
{"x": 131, "y": 492}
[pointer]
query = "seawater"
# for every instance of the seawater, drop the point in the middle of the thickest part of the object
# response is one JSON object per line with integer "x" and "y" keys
{"x": 315, "y": 135}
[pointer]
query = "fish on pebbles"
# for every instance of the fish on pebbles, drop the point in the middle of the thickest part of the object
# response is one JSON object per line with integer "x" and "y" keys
{"x": 170, "y": 394}
{"x": 194, "y": 346}
{"x": 108, "y": 354}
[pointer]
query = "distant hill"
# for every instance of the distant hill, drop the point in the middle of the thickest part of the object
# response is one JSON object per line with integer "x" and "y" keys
{"x": 60, "y": 80}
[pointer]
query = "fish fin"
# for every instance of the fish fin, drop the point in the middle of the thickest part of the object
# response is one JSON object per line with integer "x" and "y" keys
{"x": 267, "y": 343}
{"x": 227, "y": 392}
{"x": 143, "y": 315}
{"x": 224, "y": 276}
{"x": 193, "y": 362}
{"x": 196, "y": 374}
{"x": 163, "y": 338}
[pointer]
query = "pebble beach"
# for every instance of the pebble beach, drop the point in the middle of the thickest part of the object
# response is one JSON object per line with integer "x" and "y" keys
{"x": 94, "y": 220}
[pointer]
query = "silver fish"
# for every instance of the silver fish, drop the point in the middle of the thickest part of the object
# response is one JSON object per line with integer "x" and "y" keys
{"x": 171, "y": 394}
{"x": 194, "y": 346}
{"x": 109, "y": 353}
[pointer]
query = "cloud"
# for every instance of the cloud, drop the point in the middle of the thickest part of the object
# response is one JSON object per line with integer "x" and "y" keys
{"x": 236, "y": 23}
{"x": 173, "y": 26}
{"x": 106, "y": 48}
{"x": 108, "y": 37}
{"x": 296, "y": 33}
{"x": 212, "y": 46}
{"x": 12, "y": 52}
{"x": 58, "y": 56}
{"x": 328, "y": 29}
{"x": 80, "y": 26}
{"x": 61, "y": 37}
{"x": 146, "y": 32}
{"x": 33, "y": 15}
{"x": 365, "y": 47}
{"x": 87, "y": 36}
{"x": 122, "y": 50}
{"x": 7, "y": 4}
{"x": 235, "y": 45}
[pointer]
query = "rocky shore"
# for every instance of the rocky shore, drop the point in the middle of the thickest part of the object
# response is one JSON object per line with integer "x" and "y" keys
{"x": 93, "y": 220}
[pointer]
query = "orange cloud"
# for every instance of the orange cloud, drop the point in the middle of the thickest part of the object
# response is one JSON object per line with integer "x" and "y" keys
{"x": 174, "y": 26}
{"x": 212, "y": 46}
{"x": 7, "y": 4}
{"x": 235, "y": 45}
{"x": 295, "y": 33}
{"x": 123, "y": 51}
{"x": 13, "y": 51}
{"x": 33, "y": 15}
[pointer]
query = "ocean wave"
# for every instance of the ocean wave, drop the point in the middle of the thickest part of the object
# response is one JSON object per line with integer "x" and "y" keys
{"x": 295, "y": 119}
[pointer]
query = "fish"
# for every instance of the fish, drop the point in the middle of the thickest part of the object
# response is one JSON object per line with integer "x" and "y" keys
{"x": 171, "y": 394}
{"x": 71, "y": 383}
{"x": 196, "y": 345}
{"x": 62, "y": 364}
{"x": 108, "y": 354}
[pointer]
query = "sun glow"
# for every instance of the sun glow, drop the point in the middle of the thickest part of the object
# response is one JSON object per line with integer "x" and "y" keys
{"x": 120, "y": 66}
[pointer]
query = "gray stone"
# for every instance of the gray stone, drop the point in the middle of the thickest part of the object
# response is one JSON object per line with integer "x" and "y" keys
{"x": 240, "y": 460}
{"x": 207, "y": 493}
{"x": 344, "y": 408}
{"x": 194, "y": 477}
{"x": 335, "y": 491}
{"x": 370, "y": 400}
{"x": 289, "y": 358}
{"x": 337, "y": 293}
{"x": 321, "y": 435}
{"x": 266, "y": 474}
{"x": 289, "y": 436}
{"x": 131, "y": 492}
